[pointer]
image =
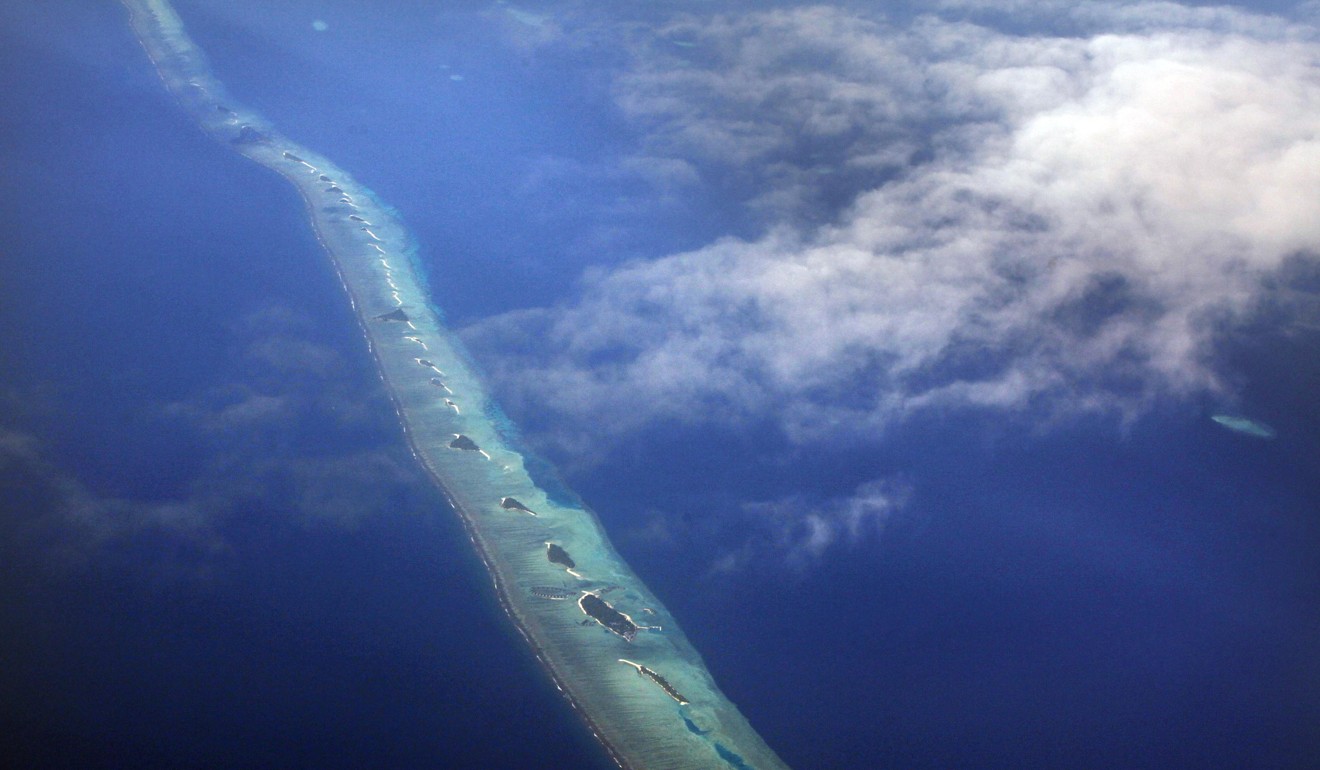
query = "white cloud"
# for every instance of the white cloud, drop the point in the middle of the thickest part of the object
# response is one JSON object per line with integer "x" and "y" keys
{"x": 799, "y": 533}
{"x": 1074, "y": 219}
{"x": 796, "y": 532}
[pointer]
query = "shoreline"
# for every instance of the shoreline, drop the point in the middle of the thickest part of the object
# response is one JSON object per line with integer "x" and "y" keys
{"x": 469, "y": 528}
{"x": 464, "y": 517}
{"x": 633, "y": 733}
{"x": 467, "y": 520}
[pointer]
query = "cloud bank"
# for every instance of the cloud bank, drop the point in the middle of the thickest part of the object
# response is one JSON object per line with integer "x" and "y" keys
{"x": 956, "y": 216}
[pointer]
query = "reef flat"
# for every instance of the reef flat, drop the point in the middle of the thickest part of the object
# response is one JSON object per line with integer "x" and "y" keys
{"x": 469, "y": 449}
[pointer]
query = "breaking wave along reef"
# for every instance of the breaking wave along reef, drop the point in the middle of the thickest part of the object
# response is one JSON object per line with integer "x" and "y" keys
{"x": 612, "y": 648}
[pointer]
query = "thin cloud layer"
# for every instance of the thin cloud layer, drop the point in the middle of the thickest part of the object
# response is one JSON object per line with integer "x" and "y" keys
{"x": 257, "y": 460}
{"x": 796, "y": 532}
{"x": 800, "y": 533}
{"x": 52, "y": 519}
{"x": 958, "y": 216}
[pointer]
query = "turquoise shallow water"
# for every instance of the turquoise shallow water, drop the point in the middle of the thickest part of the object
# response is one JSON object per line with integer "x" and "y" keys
{"x": 648, "y": 698}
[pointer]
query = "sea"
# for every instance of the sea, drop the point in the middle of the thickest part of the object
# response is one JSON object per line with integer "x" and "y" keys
{"x": 217, "y": 552}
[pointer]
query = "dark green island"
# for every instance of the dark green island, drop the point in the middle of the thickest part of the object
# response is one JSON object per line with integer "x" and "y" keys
{"x": 660, "y": 681}
{"x": 601, "y": 611}
{"x": 463, "y": 442}
{"x": 512, "y": 504}
{"x": 558, "y": 555}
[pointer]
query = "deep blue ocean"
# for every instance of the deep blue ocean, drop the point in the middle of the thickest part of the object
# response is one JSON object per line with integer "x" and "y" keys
{"x": 1091, "y": 595}
{"x": 147, "y": 266}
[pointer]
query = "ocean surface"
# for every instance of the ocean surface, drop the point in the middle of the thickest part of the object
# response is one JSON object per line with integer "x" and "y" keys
{"x": 254, "y": 573}
{"x": 353, "y": 629}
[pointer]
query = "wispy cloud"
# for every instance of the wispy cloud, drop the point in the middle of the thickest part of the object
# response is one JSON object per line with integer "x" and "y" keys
{"x": 54, "y": 520}
{"x": 957, "y": 216}
{"x": 794, "y": 532}
{"x": 253, "y": 460}
{"x": 801, "y": 532}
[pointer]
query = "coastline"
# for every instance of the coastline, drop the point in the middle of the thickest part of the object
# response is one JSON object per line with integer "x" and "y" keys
{"x": 653, "y": 737}
{"x": 469, "y": 527}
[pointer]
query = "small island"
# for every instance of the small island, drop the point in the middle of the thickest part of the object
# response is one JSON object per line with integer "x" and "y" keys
{"x": 659, "y": 680}
{"x": 293, "y": 157}
{"x": 394, "y": 315}
{"x": 558, "y": 555}
{"x": 553, "y": 593}
{"x": 1245, "y": 425}
{"x": 250, "y": 135}
{"x": 463, "y": 442}
{"x": 510, "y": 504}
{"x": 600, "y": 610}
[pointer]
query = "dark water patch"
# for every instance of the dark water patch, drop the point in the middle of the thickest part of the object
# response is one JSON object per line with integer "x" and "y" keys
{"x": 547, "y": 478}
{"x": 731, "y": 757}
{"x": 692, "y": 726}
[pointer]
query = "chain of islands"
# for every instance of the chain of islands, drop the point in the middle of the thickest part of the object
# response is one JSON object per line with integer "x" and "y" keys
{"x": 541, "y": 545}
